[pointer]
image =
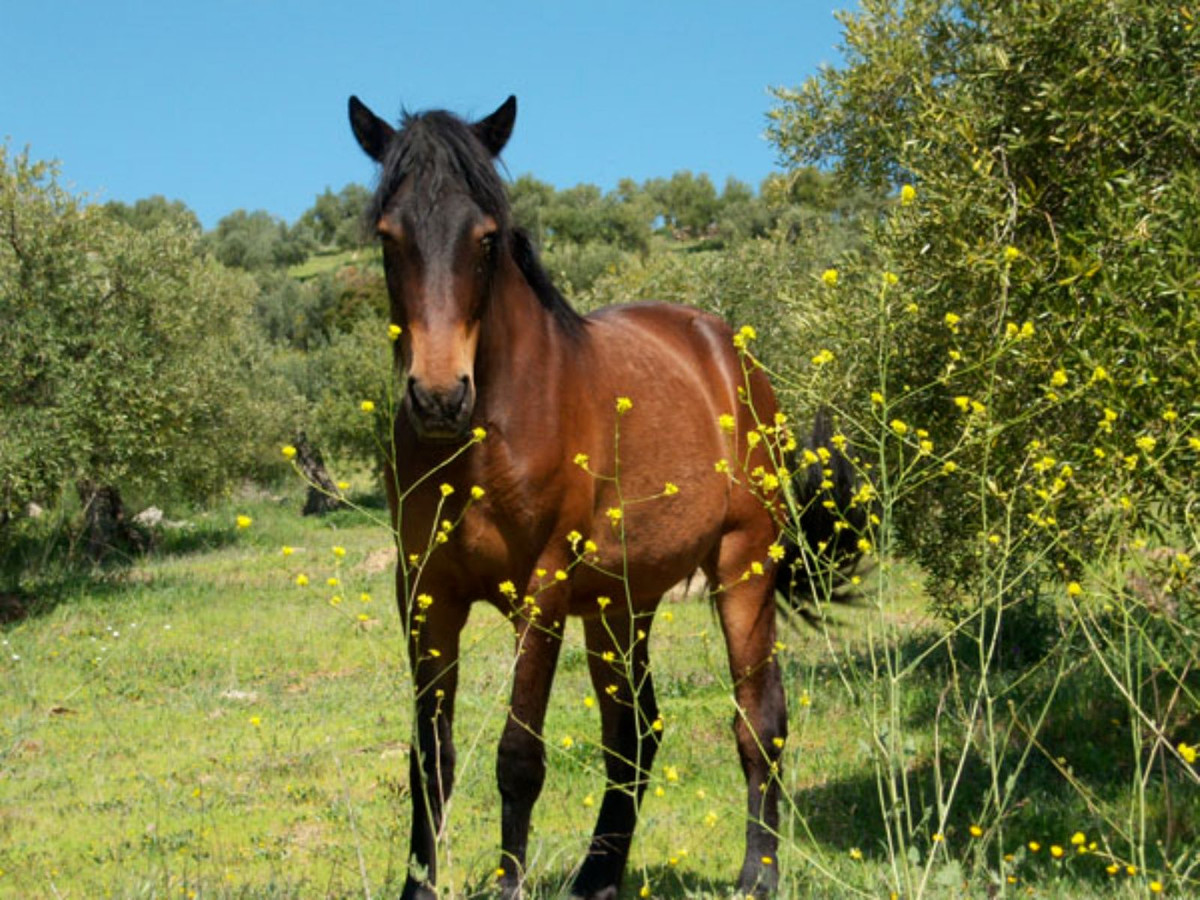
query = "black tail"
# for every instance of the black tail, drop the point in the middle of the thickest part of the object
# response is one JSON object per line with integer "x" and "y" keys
{"x": 831, "y": 518}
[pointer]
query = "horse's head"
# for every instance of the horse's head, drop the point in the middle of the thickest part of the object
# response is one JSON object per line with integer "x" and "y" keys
{"x": 441, "y": 214}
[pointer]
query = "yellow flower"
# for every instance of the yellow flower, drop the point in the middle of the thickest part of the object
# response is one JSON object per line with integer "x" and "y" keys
{"x": 877, "y": 398}
{"x": 776, "y": 552}
{"x": 301, "y": 580}
{"x": 671, "y": 774}
{"x": 367, "y": 406}
{"x": 1073, "y": 589}
{"x": 1146, "y": 443}
{"x": 745, "y": 334}
{"x": 1112, "y": 868}
{"x": 1011, "y": 253}
{"x": 938, "y": 837}
{"x": 288, "y": 551}
{"x": 670, "y": 489}
{"x": 588, "y": 801}
{"x": 332, "y": 582}
{"x": 1078, "y": 838}
{"x": 394, "y": 331}
{"x": 560, "y": 575}
{"x": 1059, "y": 378}
{"x": 478, "y": 433}
{"x": 976, "y": 831}
{"x": 568, "y": 742}
{"x": 726, "y": 422}
{"x": 244, "y": 521}
{"x": 908, "y": 194}
{"x": 581, "y": 460}
{"x": 446, "y": 490}
{"x": 255, "y": 721}
{"x": 1156, "y": 887}
{"x": 1034, "y": 846}
{"x": 614, "y": 514}
{"x": 289, "y": 452}
{"x": 952, "y": 320}
{"x": 343, "y": 485}
{"x": 891, "y": 279}
{"x": 339, "y": 552}
{"x": 899, "y": 427}
{"x": 830, "y": 277}
{"x": 424, "y": 601}
{"x": 1099, "y": 374}
{"x": 1188, "y": 752}
{"x": 822, "y": 358}
{"x": 1056, "y": 851}
{"x": 624, "y": 405}
{"x": 477, "y": 492}
{"x": 644, "y": 891}
{"x": 721, "y": 465}
{"x": 963, "y": 403}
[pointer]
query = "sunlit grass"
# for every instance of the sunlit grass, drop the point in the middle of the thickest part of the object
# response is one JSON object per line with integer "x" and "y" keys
{"x": 206, "y": 727}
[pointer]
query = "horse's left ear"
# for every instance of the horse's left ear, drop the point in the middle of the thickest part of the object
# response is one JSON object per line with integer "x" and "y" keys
{"x": 496, "y": 129}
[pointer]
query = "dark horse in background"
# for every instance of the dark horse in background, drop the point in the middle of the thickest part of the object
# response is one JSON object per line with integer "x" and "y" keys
{"x": 601, "y": 475}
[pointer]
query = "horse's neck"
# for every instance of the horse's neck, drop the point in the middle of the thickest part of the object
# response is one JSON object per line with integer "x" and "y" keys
{"x": 520, "y": 351}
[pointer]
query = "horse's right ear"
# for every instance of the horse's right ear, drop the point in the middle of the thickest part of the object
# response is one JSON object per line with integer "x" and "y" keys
{"x": 372, "y": 133}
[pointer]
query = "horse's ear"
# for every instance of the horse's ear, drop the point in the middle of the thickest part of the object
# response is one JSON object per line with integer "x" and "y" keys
{"x": 372, "y": 133}
{"x": 496, "y": 129}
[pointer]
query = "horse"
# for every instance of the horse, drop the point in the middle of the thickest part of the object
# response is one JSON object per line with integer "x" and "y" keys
{"x": 558, "y": 465}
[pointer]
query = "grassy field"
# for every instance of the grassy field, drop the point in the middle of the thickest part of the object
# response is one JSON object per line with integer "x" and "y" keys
{"x": 197, "y": 724}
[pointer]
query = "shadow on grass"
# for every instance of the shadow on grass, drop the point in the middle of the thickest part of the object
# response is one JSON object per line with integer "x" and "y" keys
{"x": 666, "y": 882}
{"x": 1079, "y": 774}
{"x": 41, "y": 569}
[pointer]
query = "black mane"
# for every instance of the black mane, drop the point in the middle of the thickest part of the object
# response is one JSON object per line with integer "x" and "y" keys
{"x": 439, "y": 149}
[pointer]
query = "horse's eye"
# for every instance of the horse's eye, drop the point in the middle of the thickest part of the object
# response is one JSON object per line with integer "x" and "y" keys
{"x": 487, "y": 243}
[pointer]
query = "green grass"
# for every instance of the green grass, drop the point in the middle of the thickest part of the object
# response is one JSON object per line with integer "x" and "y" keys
{"x": 198, "y": 725}
{"x": 330, "y": 261}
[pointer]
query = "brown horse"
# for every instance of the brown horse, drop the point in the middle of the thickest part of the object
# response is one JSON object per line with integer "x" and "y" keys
{"x": 555, "y": 465}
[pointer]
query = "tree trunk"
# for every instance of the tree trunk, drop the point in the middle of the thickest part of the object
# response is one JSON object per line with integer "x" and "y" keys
{"x": 105, "y": 526}
{"x": 323, "y": 494}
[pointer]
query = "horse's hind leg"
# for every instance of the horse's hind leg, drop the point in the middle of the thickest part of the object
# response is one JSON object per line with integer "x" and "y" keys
{"x": 747, "y": 611}
{"x": 619, "y": 664}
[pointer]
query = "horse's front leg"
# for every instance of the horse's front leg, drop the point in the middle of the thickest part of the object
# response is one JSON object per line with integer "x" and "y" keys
{"x": 521, "y": 757}
{"x": 433, "y": 637}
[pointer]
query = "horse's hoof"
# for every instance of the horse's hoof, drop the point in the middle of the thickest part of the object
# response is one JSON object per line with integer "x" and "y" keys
{"x": 605, "y": 893}
{"x": 757, "y": 882}
{"x": 414, "y": 890}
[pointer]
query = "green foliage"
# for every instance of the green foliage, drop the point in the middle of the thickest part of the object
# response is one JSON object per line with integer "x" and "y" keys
{"x": 257, "y": 241}
{"x": 1045, "y": 267}
{"x": 1012, "y": 344}
{"x": 151, "y": 212}
{"x": 125, "y": 358}
{"x": 335, "y": 220}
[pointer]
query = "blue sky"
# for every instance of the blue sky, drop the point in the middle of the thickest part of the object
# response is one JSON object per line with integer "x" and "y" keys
{"x": 229, "y": 105}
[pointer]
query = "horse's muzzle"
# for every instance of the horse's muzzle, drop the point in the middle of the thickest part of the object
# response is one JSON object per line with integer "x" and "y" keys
{"x": 440, "y": 415}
